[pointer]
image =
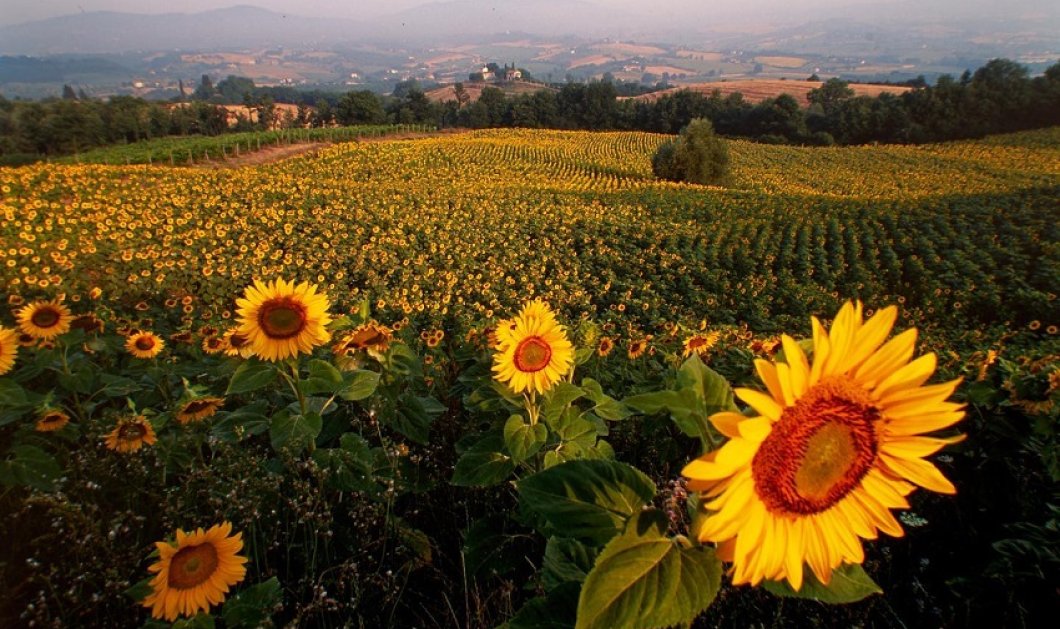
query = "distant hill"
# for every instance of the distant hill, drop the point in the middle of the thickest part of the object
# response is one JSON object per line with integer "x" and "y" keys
{"x": 757, "y": 90}
{"x": 474, "y": 90}
{"x": 234, "y": 27}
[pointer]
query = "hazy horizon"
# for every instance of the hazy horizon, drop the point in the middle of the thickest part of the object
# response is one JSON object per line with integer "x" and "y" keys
{"x": 731, "y": 12}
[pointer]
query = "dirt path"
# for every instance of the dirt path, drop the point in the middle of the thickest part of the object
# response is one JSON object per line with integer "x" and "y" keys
{"x": 272, "y": 154}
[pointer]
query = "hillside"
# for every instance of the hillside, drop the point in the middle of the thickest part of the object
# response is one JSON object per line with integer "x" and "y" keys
{"x": 474, "y": 90}
{"x": 757, "y": 90}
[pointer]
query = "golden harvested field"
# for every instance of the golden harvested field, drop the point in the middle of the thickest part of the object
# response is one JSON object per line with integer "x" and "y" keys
{"x": 757, "y": 90}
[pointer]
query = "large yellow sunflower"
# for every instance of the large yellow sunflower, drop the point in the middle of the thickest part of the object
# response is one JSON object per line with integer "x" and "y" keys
{"x": 834, "y": 446}
{"x": 144, "y": 345}
{"x": 195, "y": 573}
{"x": 533, "y": 352}
{"x": 8, "y": 349}
{"x": 282, "y": 320}
{"x": 44, "y": 319}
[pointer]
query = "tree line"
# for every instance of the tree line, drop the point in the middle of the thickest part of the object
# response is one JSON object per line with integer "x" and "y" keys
{"x": 998, "y": 97}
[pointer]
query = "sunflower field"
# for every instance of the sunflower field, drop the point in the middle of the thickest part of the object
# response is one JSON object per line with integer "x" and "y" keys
{"x": 508, "y": 378}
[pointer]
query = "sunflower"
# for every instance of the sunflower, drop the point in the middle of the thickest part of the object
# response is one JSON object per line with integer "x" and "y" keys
{"x": 700, "y": 343}
{"x": 604, "y": 347}
{"x": 198, "y": 409}
{"x": 44, "y": 319}
{"x": 131, "y": 434}
{"x": 371, "y": 337}
{"x": 8, "y": 349}
{"x": 52, "y": 420}
{"x": 282, "y": 320}
{"x": 236, "y": 344}
{"x": 144, "y": 344}
{"x": 534, "y": 353}
{"x": 213, "y": 345}
{"x": 636, "y": 348}
{"x": 834, "y": 446}
{"x": 196, "y": 572}
{"x": 90, "y": 323}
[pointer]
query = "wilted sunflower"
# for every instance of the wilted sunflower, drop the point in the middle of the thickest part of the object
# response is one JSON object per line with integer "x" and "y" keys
{"x": 144, "y": 344}
{"x": 52, "y": 420}
{"x": 198, "y": 409}
{"x": 534, "y": 353}
{"x": 833, "y": 448}
{"x": 236, "y": 344}
{"x": 131, "y": 434}
{"x": 282, "y": 319}
{"x": 8, "y": 349}
{"x": 90, "y": 323}
{"x": 701, "y": 343}
{"x": 370, "y": 336}
{"x": 196, "y": 572}
{"x": 44, "y": 319}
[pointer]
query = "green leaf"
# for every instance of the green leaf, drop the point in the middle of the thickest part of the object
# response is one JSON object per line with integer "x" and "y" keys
{"x": 566, "y": 560}
{"x": 573, "y": 426}
{"x": 30, "y": 466}
{"x": 251, "y": 375}
{"x": 252, "y": 606}
{"x": 404, "y": 361}
{"x": 606, "y": 406}
{"x": 849, "y": 584}
{"x": 323, "y": 378}
{"x": 588, "y": 500}
{"x": 643, "y": 579}
{"x": 13, "y": 401}
{"x": 358, "y": 385}
{"x": 522, "y": 439}
{"x": 559, "y": 398}
{"x": 556, "y": 610}
{"x": 484, "y": 463}
{"x": 712, "y": 390}
{"x": 350, "y": 465}
{"x": 232, "y": 426}
{"x": 414, "y": 416}
{"x": 201, "y": 620}
{"x": 682, "y": 406}
{"x": 582, "y": 355}
{"x": 140, "y": 590}
{"x": 491, "y": 547}
{"x": 293, "y": 431}
{"x": 117, "y": 386}
{"x": 79, "y": 380}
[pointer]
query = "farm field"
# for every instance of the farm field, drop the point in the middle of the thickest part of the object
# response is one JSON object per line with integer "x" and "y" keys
{"x": 757, "y": 90}
{"x": 368, "y": 467}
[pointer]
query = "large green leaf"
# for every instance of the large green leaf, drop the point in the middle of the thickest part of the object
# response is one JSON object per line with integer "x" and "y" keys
{"x": 559, "y": 398}
{"x": 566, "y": 560}
{"x": 712, "y": 390}
{"x": 293, "y": 431}
{"x": 682, "y": 406}
{"x": 323, "y": 378}
{"x": 606, "y": 406}
{"x": 588, "y": 500}
{"x": 644, "y": 580}
{"x": 556, "y": 610}
{"x": 849, "y": 584}
{"x": 414, "y": 416}
{"x": 358, "y": 385}
{"x": 252, "y": 606}
{"x": 350, "y": 465}
{"x": 30, "y": 466}
{"x": 484, "y": 463}
{"x": 522, "y": 439}
{"x": 251, "y": 375}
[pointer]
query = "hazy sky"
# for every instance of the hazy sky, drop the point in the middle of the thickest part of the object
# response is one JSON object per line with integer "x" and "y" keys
{"x": 15, "y": 11}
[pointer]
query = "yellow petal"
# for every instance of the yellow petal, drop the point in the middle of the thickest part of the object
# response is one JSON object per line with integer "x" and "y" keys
{"x": 765, "y": 405}
{"x": 920, "y": 472}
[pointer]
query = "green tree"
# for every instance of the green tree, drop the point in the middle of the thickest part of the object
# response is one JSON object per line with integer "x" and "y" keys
{"x": 698, "y": 155}
{"x": 830, "y": 95}
{"x": 361, "y": 107}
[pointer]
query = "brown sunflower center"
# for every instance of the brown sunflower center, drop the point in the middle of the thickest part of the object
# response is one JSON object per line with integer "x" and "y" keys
{"x": 368, "y": 337}
{"x": 192, "y": 566}
{"x": 53, "y": 418}
{"x": 282, "y": 318}
{"x": 45, "y": 317}
{"x": 198, "y": 406}
{"x": 819, "y": 450}
{"x": 237, "y": 340}
{"x": 145, "y": 343}
{"x": 132, "y": 432}
{"x": 532, "y": 354}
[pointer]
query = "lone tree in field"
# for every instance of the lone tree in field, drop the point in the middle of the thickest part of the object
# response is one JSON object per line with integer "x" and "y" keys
{"x": 696, "y": 156}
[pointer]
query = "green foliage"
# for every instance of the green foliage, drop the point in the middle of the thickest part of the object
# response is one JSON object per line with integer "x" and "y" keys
{"x": 696, "y": 156}
{"x": 849, "y": 584}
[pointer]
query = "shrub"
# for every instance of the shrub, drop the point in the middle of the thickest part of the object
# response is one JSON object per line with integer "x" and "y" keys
{"x": 696, "y": 156}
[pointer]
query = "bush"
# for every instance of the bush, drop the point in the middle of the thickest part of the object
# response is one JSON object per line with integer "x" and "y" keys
{"x": 696, "y": 156}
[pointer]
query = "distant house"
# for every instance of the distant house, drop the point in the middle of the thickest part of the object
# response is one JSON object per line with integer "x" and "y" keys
{"x": 512, "y": 74}
{"x": 485, "y": 74}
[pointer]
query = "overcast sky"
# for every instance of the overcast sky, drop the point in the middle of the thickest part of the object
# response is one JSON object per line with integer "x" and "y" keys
{"x": 15, "y": 11}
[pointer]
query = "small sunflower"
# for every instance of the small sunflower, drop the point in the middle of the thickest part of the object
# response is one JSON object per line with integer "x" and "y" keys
{"x": 700, "y": 343}
{"x": 282, "y": 319}
{"x": 213, "y": 345}
{"x": 44, "y": 319}
{"x": 636, "y": 348}
{"x": 834, "y": 447}
{"x": 8, "y": 349}
{"x": 604, "y": 346}
{"x": 90, "y": 323}
{"x": 534, "y": 354}
{"x": 236, "y": 344}
{"x": 144, "y": 344}
{"x": 196, "y": 572}
{"x": 131, "y": 434}
{"x": 52, "y": 420}
{"x": 371, "y": 337}
{"x": 198, "y": 409}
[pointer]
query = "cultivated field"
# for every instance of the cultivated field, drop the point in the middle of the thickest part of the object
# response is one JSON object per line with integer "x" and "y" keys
{"x": 757, "y": 90}
{"x": 401, "y": 447}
